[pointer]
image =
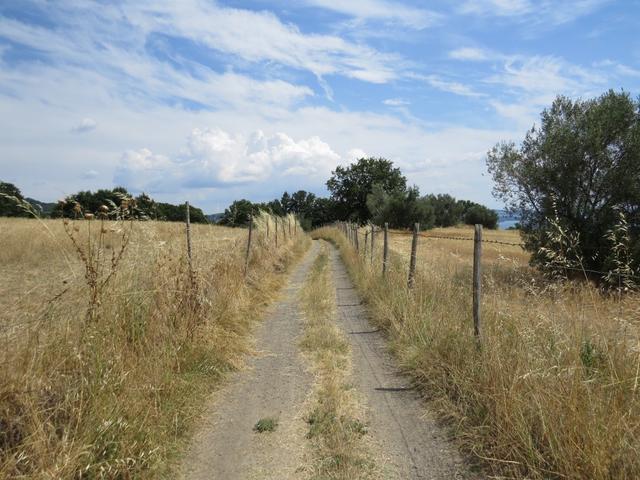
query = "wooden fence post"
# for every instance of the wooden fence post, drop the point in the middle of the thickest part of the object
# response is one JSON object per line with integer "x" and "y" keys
{"x": 246, "y": 257}
{"x": 385, "y": 249}
{"x": 188, "y": 222}
{"x": 284, "y": 231}
{"x": 275, "y": 230}
{"x": 355, "y": 235}
{"x": 366, "y": 242}
{"x": 373, "y": 232}
{"x": 289, "y": 224}
{"x": 477, "y": 280}
{"x": 267, "y": 227}
{"x": 414, "y": 252}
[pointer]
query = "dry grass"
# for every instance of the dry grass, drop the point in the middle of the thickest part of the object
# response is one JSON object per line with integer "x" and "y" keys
{"x": 335, "y": 432}
{"x": 554, "y": 390}
{"x": 114, "y": 394}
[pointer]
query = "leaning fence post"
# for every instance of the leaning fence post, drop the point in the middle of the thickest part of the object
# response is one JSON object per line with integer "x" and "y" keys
{"x": 188, "y": 222}
{"x": 289, "y": 224}
{"x": 414, "y": 251}
{"x": 373, "y": 231}
{"x": 385, "y": 249}
{"x": 267, "y": 227}
{"x": 246, "y": 257}
{"x": 477, "y": 279}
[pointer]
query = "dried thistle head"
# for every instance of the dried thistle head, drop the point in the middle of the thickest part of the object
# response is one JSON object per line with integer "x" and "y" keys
{"x": 103, "y": 209}
{"x": 88, "y": 216}
{"x": 77, "y": 208}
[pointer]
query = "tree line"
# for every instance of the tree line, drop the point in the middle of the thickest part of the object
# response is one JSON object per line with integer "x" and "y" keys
{"x": 14, "y": 204}
{"x": 369, "y": 190}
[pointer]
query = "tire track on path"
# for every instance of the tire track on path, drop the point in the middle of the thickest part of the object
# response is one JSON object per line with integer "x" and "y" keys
{"x": 275, "y": 384}
{"x": 414, "y": 445}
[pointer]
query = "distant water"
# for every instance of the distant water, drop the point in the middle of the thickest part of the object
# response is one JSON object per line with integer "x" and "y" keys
{"x": 505, "y": 224}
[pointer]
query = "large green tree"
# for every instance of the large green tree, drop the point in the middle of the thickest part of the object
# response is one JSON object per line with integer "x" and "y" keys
{"x": 576, "y": 172}
{"x": 10, "y": 201}
{"x": 350, "y": 186}
{"x": 239, "y": 212}
{"x": 400, "y": 209}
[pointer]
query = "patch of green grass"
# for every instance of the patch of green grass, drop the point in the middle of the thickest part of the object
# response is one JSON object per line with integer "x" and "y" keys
{"x": 267, "y": 424}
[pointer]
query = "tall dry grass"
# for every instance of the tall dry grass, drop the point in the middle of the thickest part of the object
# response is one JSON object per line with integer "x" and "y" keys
{"x": 554, "y": 389}
{"x": 113, "y": 394}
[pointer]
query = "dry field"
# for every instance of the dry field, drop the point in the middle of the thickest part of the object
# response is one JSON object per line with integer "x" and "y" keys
{"x": 106, "y": 359}
{"x": 553, "y": 391}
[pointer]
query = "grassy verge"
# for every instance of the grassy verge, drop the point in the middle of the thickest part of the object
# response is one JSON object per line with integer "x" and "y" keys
{"x": 114, "y": 392}
{"x": 334, "y": 429}
{"x": 554, "y": 390}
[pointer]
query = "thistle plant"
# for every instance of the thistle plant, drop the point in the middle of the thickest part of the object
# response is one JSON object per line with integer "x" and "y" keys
{"x": 100, "y": 268}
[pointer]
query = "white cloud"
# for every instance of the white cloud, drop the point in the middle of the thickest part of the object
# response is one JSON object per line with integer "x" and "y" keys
{"x": 396, "y": 102}
{"x": 547, "y": 75}
{"x": 214, "y": 158}
{"x": 470, "y": 53}
{"x": 535, "y": 12}
{"x": 452, "y": 87}
{"x": 531, "y": 83}
{"x": 381, "y": 10}
{"x": 263, "y": 37}
{"x": 90, "y": 174}
{"x": 356, "y": 154}
{"x": 86, "y": 125}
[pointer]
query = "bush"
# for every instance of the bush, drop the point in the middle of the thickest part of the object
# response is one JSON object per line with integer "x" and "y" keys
{"x": 482, "y": 215}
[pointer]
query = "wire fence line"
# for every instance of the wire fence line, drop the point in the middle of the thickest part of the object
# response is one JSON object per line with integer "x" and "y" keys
{"x": 499, "y": 242}
{"x": 273, "y": 226}
{"x": 353, "y": 234}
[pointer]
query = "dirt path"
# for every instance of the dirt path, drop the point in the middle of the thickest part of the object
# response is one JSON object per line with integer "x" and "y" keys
{"x": 414, "y": 445}
{"x": 275, "y": 385}
{"x": 405, "y": 441}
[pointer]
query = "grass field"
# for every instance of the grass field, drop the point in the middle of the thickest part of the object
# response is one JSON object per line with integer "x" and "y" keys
{"x": 109, "y": 348}
{"x": 552, "y": 391}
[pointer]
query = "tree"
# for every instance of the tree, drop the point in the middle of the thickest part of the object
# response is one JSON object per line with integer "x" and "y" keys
{"x": 238, "y": 213}
{"x": 577, "y": 172}
{"x": 10, "y": 200}
{"x": 350, "y": 186}
{"x": 482, "y": 215}
{"x": 447, "y": 210}
{"x": 400, "y": 209}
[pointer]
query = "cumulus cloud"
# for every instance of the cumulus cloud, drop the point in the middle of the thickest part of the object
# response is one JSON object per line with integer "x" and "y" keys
{"x": 214, "y": 158}
{"x": 86, "y": 125}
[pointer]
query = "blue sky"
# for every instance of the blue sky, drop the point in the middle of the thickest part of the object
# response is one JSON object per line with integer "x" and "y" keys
{"x": 210, "y": 101}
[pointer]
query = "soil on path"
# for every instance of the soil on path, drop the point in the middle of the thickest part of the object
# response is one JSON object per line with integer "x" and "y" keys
{"x": 412, "y": 442}
{"x": 275, "y": 384}
{"x": 406, "y": 441}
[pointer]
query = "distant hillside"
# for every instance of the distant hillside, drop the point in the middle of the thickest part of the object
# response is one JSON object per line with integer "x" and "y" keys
{"x": 43, "y": 208}
{"x": 214, "y": 217}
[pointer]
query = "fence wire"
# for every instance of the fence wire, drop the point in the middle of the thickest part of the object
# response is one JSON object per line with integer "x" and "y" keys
{"x": 497, "y": 242}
